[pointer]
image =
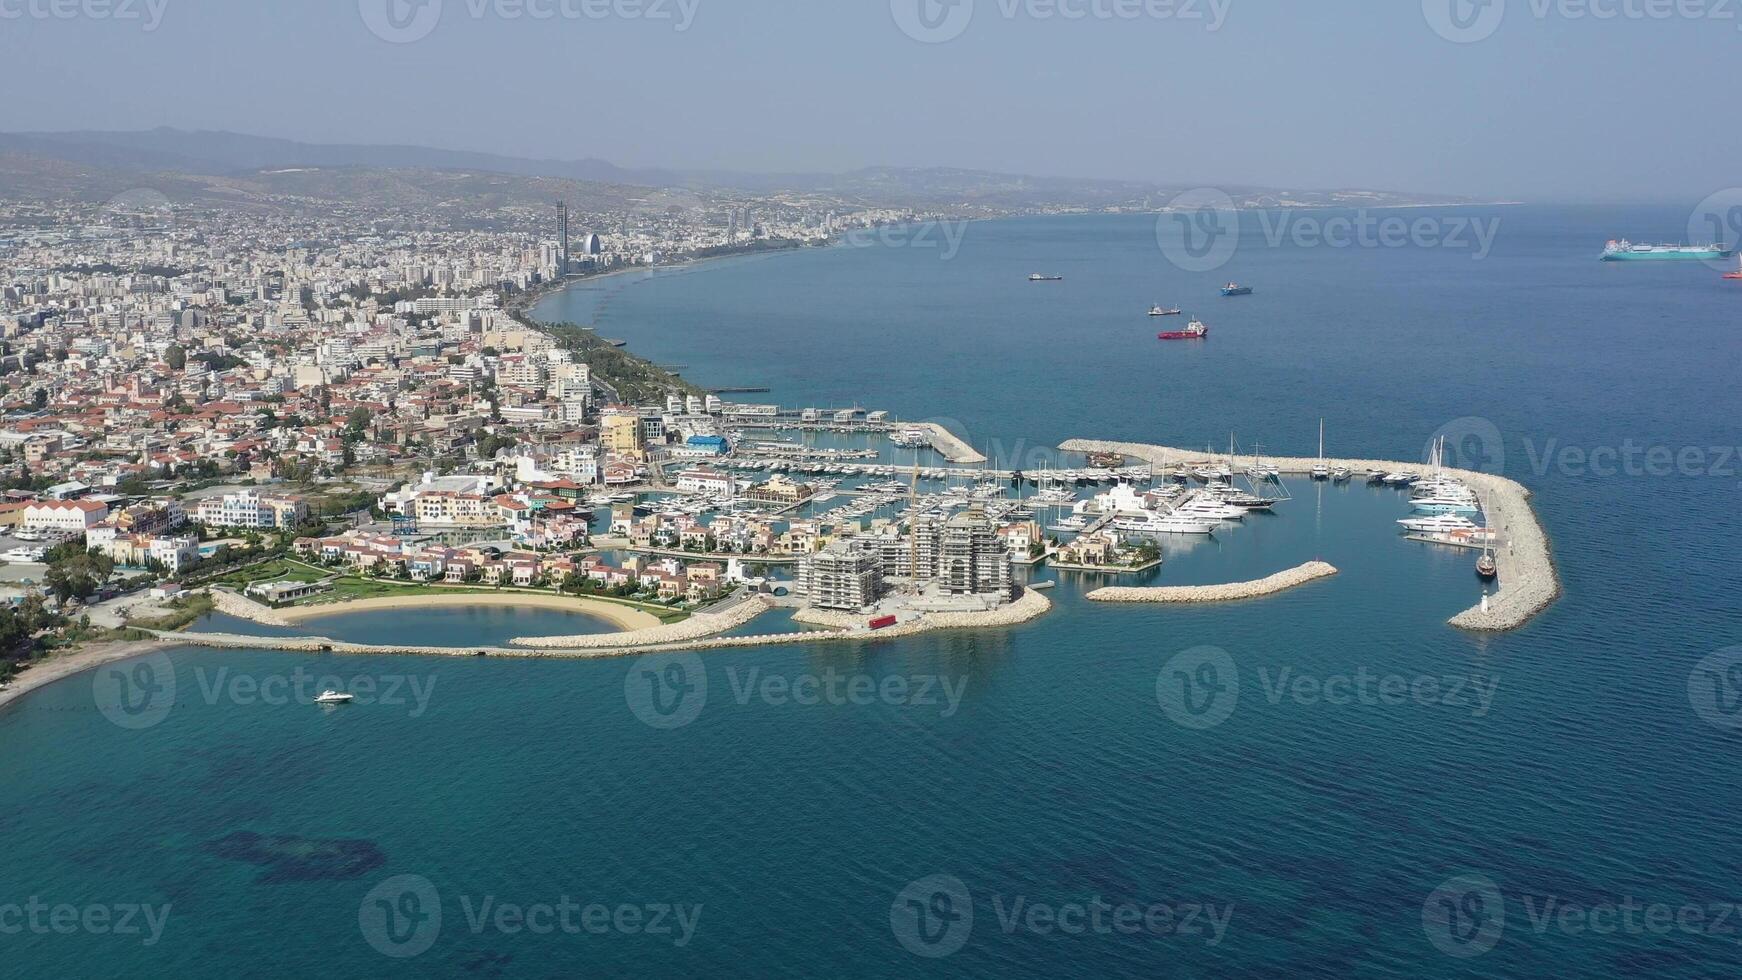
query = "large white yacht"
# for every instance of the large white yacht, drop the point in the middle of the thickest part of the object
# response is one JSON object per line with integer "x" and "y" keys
{"x": 1439, "y": 522}
{"x": 1172, "y": 523}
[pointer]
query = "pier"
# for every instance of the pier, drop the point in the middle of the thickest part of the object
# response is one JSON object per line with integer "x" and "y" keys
{"x": 1312, "y": 571}
{"x": 1528, "y": 580}
{"x": 950, "y": 447}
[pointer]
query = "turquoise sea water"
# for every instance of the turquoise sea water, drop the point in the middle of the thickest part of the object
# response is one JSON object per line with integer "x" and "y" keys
{"x": 1057, "y": 777}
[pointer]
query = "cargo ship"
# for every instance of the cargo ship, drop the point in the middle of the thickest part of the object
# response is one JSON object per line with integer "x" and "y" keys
{"x": 1235, "y": 289}
{"x": 1626, "y": 251}
{"x": 1194, "y": 330}
{"x": 1037, "y": 277}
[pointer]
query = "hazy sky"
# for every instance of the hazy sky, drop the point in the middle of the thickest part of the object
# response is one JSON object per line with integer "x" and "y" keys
{"x": 1552, "y": 102}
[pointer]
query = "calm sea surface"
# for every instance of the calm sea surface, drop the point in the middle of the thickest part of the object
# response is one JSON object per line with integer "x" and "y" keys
{"x": 1303, "y": 834}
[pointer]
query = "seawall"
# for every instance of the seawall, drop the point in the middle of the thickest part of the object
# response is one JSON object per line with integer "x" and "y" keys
{"x": 1282, "y": 581}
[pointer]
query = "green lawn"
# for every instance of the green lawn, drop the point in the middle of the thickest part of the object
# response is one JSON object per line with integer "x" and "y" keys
{"x": 276, "y": 570}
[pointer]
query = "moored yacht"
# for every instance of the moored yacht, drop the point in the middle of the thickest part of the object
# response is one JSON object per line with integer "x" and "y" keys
{"x": 1163, "y": 524}
{"x": 1439, "y": 522}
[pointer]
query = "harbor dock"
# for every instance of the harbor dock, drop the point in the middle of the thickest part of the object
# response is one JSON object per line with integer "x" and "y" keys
{"x": 950, "y": 447}
{"x": 1312, "y": 571}
{"x": 1528, "y": 581}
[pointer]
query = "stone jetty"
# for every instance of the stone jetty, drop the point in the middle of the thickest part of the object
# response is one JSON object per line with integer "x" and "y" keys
{"x": 1312, "y": 571}
{"x": 950, "y": 447}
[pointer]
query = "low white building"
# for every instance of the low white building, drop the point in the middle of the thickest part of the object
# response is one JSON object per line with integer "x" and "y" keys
{"x": 64, "y": 515}
{"x": 705, "y": 481}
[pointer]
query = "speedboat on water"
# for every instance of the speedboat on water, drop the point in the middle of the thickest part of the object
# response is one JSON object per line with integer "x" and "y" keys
{"x": 334, "y": 697}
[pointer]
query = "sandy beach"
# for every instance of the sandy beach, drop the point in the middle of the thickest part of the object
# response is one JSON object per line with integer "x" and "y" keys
{"x": 59, "y": 668}
{"x": 621, "y": 616}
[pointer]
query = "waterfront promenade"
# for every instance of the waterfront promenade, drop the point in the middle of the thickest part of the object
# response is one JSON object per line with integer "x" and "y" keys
{"x": 1528, "y": 580}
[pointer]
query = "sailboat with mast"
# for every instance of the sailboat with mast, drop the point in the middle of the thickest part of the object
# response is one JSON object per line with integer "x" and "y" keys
{"x": 1321, "y": 470}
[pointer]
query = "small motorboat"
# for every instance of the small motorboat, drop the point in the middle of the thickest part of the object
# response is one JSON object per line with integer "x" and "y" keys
{"x": 335, "y": 697}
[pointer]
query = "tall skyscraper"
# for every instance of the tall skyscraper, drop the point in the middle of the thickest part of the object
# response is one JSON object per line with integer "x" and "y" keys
{"x": 562, "y": 225}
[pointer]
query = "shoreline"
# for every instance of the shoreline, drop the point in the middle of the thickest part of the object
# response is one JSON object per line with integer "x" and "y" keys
{"x": 699, "y": 632}
{"x": 45, "y": 672}
{"x": 1529, "y": 582}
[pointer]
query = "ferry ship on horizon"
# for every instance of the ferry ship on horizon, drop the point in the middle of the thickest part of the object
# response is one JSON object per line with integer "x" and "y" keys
{"x": 1623, "y": 250}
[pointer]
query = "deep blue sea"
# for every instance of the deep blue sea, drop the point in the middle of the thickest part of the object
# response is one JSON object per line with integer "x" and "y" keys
{"x": 1354, "y": 789}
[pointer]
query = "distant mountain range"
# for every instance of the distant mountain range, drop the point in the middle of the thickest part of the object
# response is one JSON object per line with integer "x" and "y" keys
{"x": 222, "y": 165}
